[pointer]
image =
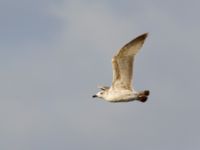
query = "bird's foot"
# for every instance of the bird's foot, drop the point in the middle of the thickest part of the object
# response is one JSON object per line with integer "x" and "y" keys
{"x": 142, "y": 98}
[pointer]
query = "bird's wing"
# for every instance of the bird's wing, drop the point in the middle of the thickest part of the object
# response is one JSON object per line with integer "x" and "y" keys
{"x": 122, "y": 63}
{"x": 103, "y": 87}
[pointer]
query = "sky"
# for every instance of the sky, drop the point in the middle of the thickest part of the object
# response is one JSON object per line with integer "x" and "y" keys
{"x": 54, "y": 53}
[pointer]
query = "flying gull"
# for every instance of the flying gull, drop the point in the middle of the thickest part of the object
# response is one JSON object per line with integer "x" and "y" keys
{"x": 122, "y": 65}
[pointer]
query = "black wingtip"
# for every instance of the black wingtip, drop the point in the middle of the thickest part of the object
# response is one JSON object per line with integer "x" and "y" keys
{"x": 143, "y": 36}
{"x": 140, "y": 38}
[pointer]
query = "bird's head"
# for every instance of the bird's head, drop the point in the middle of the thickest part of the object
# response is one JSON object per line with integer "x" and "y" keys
{"x": 102, "y": 93}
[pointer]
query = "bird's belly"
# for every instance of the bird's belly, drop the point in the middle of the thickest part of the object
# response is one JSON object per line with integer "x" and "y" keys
{"x": 121, "y": 97}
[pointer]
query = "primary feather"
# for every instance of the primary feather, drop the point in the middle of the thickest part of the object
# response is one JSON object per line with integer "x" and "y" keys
{"x": 122, "y": 63}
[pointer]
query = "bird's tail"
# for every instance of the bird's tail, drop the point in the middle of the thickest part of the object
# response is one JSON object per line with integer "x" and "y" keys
{"x": 143, "y": 96}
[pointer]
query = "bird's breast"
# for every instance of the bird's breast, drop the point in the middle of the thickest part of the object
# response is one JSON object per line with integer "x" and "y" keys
{"x": 122, "y": 95}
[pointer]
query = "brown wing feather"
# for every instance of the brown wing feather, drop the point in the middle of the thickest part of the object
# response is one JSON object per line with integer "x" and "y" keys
{"x": 133, "y": 46}
{"x": 122, "y": 72}
{"x": 122, "y": 63}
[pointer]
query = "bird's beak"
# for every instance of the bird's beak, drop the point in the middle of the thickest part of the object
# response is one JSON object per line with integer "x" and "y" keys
{"x": 94, "y": 96}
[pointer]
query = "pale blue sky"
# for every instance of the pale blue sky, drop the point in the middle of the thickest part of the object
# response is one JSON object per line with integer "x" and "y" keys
{"x": 53, "y": 54}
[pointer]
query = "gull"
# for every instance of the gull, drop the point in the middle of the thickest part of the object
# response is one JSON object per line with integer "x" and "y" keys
{"x": 121, "y": 89}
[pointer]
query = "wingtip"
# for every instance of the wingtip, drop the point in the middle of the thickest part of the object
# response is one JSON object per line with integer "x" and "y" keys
{"x": 144, "y": 35}
{"x": 141, "y": 37}
{"x": 139, "y": 41}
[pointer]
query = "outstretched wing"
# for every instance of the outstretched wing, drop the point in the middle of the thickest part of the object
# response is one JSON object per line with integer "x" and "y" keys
{"x": 122, "y": 63}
